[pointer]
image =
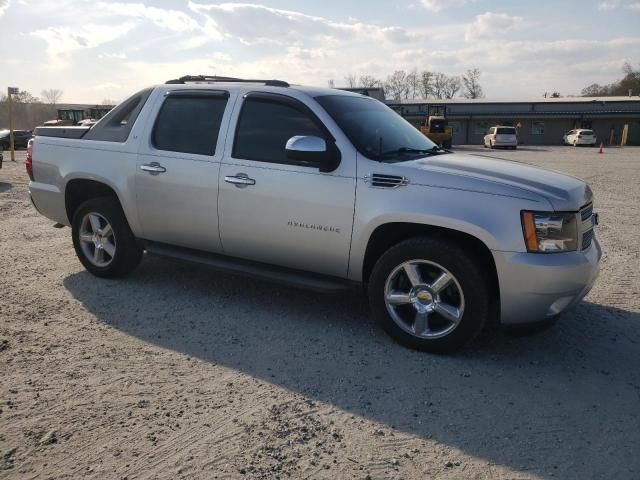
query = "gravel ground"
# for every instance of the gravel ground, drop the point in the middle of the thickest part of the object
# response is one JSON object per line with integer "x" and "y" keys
{"x": 181, "y": 372}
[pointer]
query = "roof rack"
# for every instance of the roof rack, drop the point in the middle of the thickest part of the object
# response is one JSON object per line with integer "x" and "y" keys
{"x": 214, "y": 79}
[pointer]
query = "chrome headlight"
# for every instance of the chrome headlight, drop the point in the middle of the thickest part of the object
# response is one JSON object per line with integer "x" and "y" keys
{"x": 549, "y": 232}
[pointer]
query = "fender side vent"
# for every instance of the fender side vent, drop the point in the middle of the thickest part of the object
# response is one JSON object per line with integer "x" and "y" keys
{"x": 380, "y": 180}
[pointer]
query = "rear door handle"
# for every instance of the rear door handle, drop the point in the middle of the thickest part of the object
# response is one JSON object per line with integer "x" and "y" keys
{"x": 240, "y": 180}
{"x": 154, "y": 168}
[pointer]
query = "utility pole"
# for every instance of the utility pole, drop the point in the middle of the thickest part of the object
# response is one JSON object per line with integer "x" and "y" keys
{"x": 14, "y": 91}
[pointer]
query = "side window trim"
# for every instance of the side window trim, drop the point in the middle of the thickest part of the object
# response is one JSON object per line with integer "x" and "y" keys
{"x": 190, "y": 93}
{"x": 280, "y": 99}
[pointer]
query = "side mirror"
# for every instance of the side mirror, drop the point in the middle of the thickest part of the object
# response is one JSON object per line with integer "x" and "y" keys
{"x": 313, "y": 152}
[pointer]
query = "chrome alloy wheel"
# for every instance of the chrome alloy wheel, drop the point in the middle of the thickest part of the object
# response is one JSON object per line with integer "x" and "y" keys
{"x": 97, "y": 240}
{"x": 424, "y": 299}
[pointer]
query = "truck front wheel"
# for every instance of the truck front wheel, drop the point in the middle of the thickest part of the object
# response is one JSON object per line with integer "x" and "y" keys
{"x": 429, "y": 294}
{"x": 103, "y": 240}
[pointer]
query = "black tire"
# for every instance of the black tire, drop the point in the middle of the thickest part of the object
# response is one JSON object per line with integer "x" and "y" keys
{"x": 471, "y": 277}
{"x": 128, "y": 252}
{"x": 491, "y": 145}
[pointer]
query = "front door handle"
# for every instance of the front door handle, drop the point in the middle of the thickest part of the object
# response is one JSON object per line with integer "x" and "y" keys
{"x": 240, "y": 180}
{"x": 154, "y": 168}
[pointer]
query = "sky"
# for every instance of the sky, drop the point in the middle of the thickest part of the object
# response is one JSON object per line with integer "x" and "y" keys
{"x": 95, "y": 50}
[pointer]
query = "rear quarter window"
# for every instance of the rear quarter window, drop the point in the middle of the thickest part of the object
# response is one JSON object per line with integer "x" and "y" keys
{"x": 116, "y": 125}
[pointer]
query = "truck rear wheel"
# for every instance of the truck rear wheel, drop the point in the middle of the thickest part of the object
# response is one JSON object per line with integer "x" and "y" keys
{"x": 429, "y": 294}
{"x": 103, "y": 240}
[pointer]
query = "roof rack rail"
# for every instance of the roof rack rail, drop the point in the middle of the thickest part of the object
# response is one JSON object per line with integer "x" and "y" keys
{"x": 214, "y": 79}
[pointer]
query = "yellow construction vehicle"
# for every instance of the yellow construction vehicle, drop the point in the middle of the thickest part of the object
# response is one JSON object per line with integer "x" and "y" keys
{"x": 436, "y": 130}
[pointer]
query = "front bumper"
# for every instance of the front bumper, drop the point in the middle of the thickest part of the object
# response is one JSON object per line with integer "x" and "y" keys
{"x": 535, "y": 286}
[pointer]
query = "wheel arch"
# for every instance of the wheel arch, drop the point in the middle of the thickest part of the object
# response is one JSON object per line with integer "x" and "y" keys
{"x": 79, "y": 190}
{"x": 389, "y": 234}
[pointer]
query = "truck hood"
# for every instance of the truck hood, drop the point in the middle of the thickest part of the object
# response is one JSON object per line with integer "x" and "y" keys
{"x": 503, "y": 177}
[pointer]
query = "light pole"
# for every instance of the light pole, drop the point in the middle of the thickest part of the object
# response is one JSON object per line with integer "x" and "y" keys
{"x": 11, "y": 91}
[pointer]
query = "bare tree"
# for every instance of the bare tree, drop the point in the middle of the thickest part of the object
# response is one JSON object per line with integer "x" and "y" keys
{"x": 369, "y": 81}
{"x": 471, "y": 84}
{"x": 396, "y": 85}
{"x": 24, "y": 97}
{"x": 555, "y": 95}
{"x": 425, "y": 84}
{"x": 52, "y": 96}
{"x": 452, "y": 86}
{"x": 108, "y": 101}
{"x": 595, "y": 90}
{"x": 439, "y": 85}
{"x": 629, "y": 84}
{"x": 351, "y": 81}
{"x": 629, "y": 72}
{"x": 413, "y": 84}
{"x": 331, "y": 83}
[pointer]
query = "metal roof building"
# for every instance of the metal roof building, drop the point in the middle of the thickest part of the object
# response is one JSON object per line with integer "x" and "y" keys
{"x": 539, "y": 120}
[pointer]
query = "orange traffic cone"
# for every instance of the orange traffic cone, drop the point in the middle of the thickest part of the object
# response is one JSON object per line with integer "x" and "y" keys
{"x": 601, "y": 148}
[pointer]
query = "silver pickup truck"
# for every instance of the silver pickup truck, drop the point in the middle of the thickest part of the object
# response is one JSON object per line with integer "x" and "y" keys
{"x": 320, "y": 188}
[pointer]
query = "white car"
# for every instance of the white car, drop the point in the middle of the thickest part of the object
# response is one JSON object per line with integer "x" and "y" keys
{"x": 580, "y": 136}
{"x": 499, "y": 137}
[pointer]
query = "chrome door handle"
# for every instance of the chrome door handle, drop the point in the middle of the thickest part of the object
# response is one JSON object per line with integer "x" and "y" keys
{"x": 240, "y": 180}
{"x": 154, "y": 168}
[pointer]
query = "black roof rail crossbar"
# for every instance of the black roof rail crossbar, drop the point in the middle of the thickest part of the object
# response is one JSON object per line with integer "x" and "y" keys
{"x": 209, "y": 78}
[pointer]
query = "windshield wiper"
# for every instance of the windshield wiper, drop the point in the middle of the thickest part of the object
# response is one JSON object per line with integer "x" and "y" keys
{"x": 435, "y": 150}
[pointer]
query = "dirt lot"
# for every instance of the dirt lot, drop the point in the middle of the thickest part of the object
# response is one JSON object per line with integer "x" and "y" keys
{"x": 181, "y": 372}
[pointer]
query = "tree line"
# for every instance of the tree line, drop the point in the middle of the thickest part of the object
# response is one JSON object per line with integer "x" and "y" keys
{"x": 402, "y": 85}
{"x": 629, "y": 83}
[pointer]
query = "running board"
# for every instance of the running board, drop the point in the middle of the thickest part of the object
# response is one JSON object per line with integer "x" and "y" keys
{"x": 285, "y": 276}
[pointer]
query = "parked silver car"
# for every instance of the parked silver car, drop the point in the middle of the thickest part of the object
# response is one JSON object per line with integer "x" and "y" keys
{"x": 321, "y": 188}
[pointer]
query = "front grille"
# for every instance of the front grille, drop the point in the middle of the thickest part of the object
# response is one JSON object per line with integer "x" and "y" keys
{"x": 586, "y": 212}
{"x": 587, "y": 238}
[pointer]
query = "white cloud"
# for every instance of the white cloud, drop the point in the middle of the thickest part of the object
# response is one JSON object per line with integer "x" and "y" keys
{"x": 252, "y": 24}
{"x": 151, "y": 44}
{"x": 64, "y": 40}
{"x": 170, "y": 19}
{"x": 438, "y": 5}
{"x": 614, "y": 4}
{"x": 488, "y": 24}
{"x": 112, "y": 56}
{"x": 608, "y": 5}
{"x": 4, "y": 5}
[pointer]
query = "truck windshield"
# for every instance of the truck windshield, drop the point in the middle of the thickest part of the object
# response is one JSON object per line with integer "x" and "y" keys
{"x": 375, "y": 130}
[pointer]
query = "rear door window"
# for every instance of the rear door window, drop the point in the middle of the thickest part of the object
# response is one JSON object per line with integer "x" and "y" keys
{"x": 190, "y": 123}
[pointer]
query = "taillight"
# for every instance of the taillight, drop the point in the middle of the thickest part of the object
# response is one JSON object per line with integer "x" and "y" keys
{"x": 28, "y": 163}
{"x": 579, "y": 135}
